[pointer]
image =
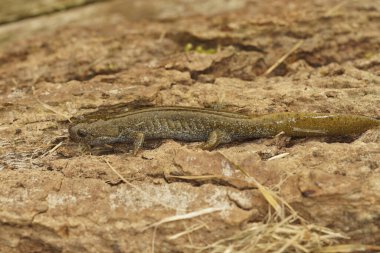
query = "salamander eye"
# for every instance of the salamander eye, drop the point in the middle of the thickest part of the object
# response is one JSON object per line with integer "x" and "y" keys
{"x": 82, "y": 133}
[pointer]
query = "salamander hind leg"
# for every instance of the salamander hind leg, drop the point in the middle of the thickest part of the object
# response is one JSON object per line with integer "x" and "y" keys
{"x": 138, "y": 140}
{"x": 215, "y": 138}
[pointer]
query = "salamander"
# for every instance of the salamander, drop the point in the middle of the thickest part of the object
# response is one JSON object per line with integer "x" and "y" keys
{"x": 213, "y": 127}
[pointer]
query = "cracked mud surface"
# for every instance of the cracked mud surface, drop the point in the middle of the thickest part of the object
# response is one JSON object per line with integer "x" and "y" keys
{"x": 57, "y": 196}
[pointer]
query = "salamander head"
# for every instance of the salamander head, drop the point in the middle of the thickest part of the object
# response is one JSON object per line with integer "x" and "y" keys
{"x": 96, "y": 133}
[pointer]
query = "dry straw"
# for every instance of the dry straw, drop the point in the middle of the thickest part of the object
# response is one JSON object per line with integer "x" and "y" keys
{"x": 283, "y": 230}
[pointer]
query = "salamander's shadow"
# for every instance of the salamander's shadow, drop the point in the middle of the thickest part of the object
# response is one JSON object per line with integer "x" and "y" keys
{"x": 326, "y": 139}
{"x": 125, "y": 148}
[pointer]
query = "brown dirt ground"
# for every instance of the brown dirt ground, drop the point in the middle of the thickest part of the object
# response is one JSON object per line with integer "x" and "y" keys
{"x": 57, "y": 196}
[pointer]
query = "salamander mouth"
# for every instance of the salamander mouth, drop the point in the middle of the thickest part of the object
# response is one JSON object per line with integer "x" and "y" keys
{"x": 99, "y": 141}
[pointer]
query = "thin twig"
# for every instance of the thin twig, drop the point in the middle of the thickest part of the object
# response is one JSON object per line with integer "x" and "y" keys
{"x": 299, "y": 43}
{"x": 334, "y": 9}
{"x": 289, "y": 242}
{"x": 186, "y": 216}
{"x": 283, "y": 58}
{"x": 48, "y": 107}
{"x": 52, "y": 150}
{"x": 350, "y": 248}
{"x": 278, "y": 156}
{"x": 185, "y": 232}
{"x": 154, "y": 238}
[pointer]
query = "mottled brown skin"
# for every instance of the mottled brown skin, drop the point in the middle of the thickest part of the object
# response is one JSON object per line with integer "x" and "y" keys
{"x": 214, "y": 127}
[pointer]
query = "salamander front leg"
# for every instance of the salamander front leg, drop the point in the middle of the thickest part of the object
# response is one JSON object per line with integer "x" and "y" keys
{"x": 215, "y": 138}
{"x": 138, "y": 140}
